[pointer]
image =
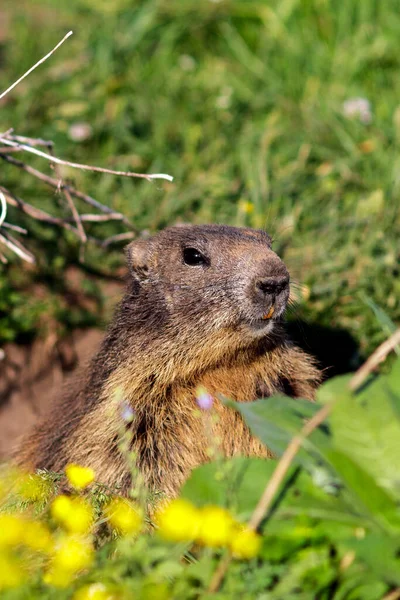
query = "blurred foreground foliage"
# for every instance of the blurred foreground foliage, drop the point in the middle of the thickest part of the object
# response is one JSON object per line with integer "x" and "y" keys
{"x": 331, "y": 533}
{"x": 249, "y": 105}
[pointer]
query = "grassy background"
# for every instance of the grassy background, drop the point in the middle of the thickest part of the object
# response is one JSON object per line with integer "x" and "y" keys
{"x": 242, "y": 101}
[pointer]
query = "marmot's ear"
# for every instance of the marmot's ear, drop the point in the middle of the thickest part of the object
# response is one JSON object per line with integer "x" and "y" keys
{"x": 137, "y": 254}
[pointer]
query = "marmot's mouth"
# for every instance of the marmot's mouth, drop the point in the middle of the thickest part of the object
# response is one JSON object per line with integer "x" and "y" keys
{"x": 269, "y": 314}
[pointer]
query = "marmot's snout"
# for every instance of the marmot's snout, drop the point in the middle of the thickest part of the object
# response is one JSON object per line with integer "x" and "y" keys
{"x": 268, "y": 291}
{"x": 272, "y": 293}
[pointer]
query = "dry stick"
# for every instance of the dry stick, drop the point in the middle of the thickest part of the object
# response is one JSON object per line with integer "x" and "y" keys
{"x": 294, "y": 446}
{"x": 59, "y": 161}
{"x": 120, "y": 237}
{"x": 272, "y": 487}
{"x": 21, "y": 252}
{"x": 3, "y": 213}
{"x": 41, "y": 215}
{"x": 375, "y": 359}
{"x": 31, "y": 141}
{"x": 36, "y": 65}
{"x": 7, "y": 150}
{"x": 54, "y": 183}
{"x": 16, "y": 228}
{"x": 92, "y": 218}
{"x": 35, "y": 213}
{"x": 75, "y": 214}
{"x": 393, "y": 595}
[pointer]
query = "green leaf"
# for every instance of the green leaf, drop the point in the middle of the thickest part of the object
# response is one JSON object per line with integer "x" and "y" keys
{"x": 366, "y": 427}
{"x": 304, "y": 497}
{"x": 381, "y": 553}
{"x": 237, "y": 483}
{"x": 368, "y": 497}
{"x": 277, "y": 419}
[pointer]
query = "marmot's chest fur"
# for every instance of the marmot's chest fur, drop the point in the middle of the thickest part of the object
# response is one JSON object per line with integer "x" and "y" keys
{"x": 203, "y": 309}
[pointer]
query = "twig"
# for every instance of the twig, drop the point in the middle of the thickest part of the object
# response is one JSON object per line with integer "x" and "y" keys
{"x": 35, "y": 213}
{"x": 16, "y": 228}
{"x": 120, "y": 237}
{"x": 31, "y": 141}
{"x": 294, "y": 446}
{"x": 92, "y": 218}
{"x": 36, "y": 65}
{"x": 219, "y": 573}
{"x": 56, "y": 184}
{"x": 59, "y": 161}
{"x": 7, "y": 150}
{"x": 75, "y": 214}
{"x": 41, "y": 215}
{"x": 17, "y": 248}
{"x": 393, "y": 595}
{"x": 284, "y": 464}
{"x": 272, "y": 487}
{"x": 375, "y": 359}
{"x": 3, "y": 213}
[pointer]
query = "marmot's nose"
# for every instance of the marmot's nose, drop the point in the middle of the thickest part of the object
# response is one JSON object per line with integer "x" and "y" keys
{"x": 272, "y": 286}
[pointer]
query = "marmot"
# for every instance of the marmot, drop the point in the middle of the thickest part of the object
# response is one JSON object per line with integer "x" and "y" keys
{"x": 203, "y": 306}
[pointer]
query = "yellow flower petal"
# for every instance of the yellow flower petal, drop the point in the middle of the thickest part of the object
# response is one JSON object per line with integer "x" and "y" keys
{"x": 123, "y": 516}
{"x": 11, "y": 530}
{"x": 72, "y": 554}
{"x": 245, "y": 543}
{"x": 178, "y": 521}
{"x": 94, "y": 591}
{"x": 79, "y": 477}
{"x": 11, "y": 572}
{"x": 73, "y": 514}
{"x": 37, "y": 537}
{"x": 216, "y": 526}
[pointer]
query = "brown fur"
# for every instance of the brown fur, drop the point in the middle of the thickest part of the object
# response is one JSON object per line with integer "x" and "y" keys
{"x": 179, "y": 327}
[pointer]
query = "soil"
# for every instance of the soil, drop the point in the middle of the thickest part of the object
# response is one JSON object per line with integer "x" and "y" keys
{"x": 31, "y": 376}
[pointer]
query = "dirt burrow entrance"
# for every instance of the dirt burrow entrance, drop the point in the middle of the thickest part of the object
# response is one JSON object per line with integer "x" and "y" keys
{"x": 31, "y": 377}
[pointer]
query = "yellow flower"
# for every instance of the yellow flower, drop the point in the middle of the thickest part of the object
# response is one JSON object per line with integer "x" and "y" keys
{"x": 11, "y": 573}
{"x": 123, "y": 516}
{"x": 37, "y": 537}
{"x": 74, "y": 514}
{"x": 93, "y": 591}
{"x": 216, "y": 526}
{"x": 33, "y": 487}
{"x": 79, "y": 477}
{"x": 58, "y": 578}
{"x": 72, "y": 554}
{"x": 178, "y": 521}
{"x": 245, "y": 543}
{"x": 11, "y": 530}
{"x": 246, "y": 207}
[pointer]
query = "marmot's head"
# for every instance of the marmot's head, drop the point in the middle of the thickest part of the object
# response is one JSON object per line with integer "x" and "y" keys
{"x": 211, "y": 277}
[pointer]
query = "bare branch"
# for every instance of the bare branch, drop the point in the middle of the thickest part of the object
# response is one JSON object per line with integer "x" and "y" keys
{"x": 41, "y": 215}
{"x": 375, "y": 359}
{"x": 16, "y": 228}
{"x": 3, "y": 212}
{"x": 75, "y": 214}
{"x": 35, "y": 213}
{"x": 31, "y": 141}
{"x": 36, "y": 65}
{"x": 56, "y": 184}
{"x": 59, "y": 161}
{"x": 295, "y": 444}
{"x": 120, "y": 237}
{"x": 17, "y": 248}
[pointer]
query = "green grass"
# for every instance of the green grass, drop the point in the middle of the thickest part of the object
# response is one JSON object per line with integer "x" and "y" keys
{"x": 242, "y": 102}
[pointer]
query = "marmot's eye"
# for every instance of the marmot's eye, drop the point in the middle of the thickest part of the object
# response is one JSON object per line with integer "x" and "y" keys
{"x": 193, "y": 257}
